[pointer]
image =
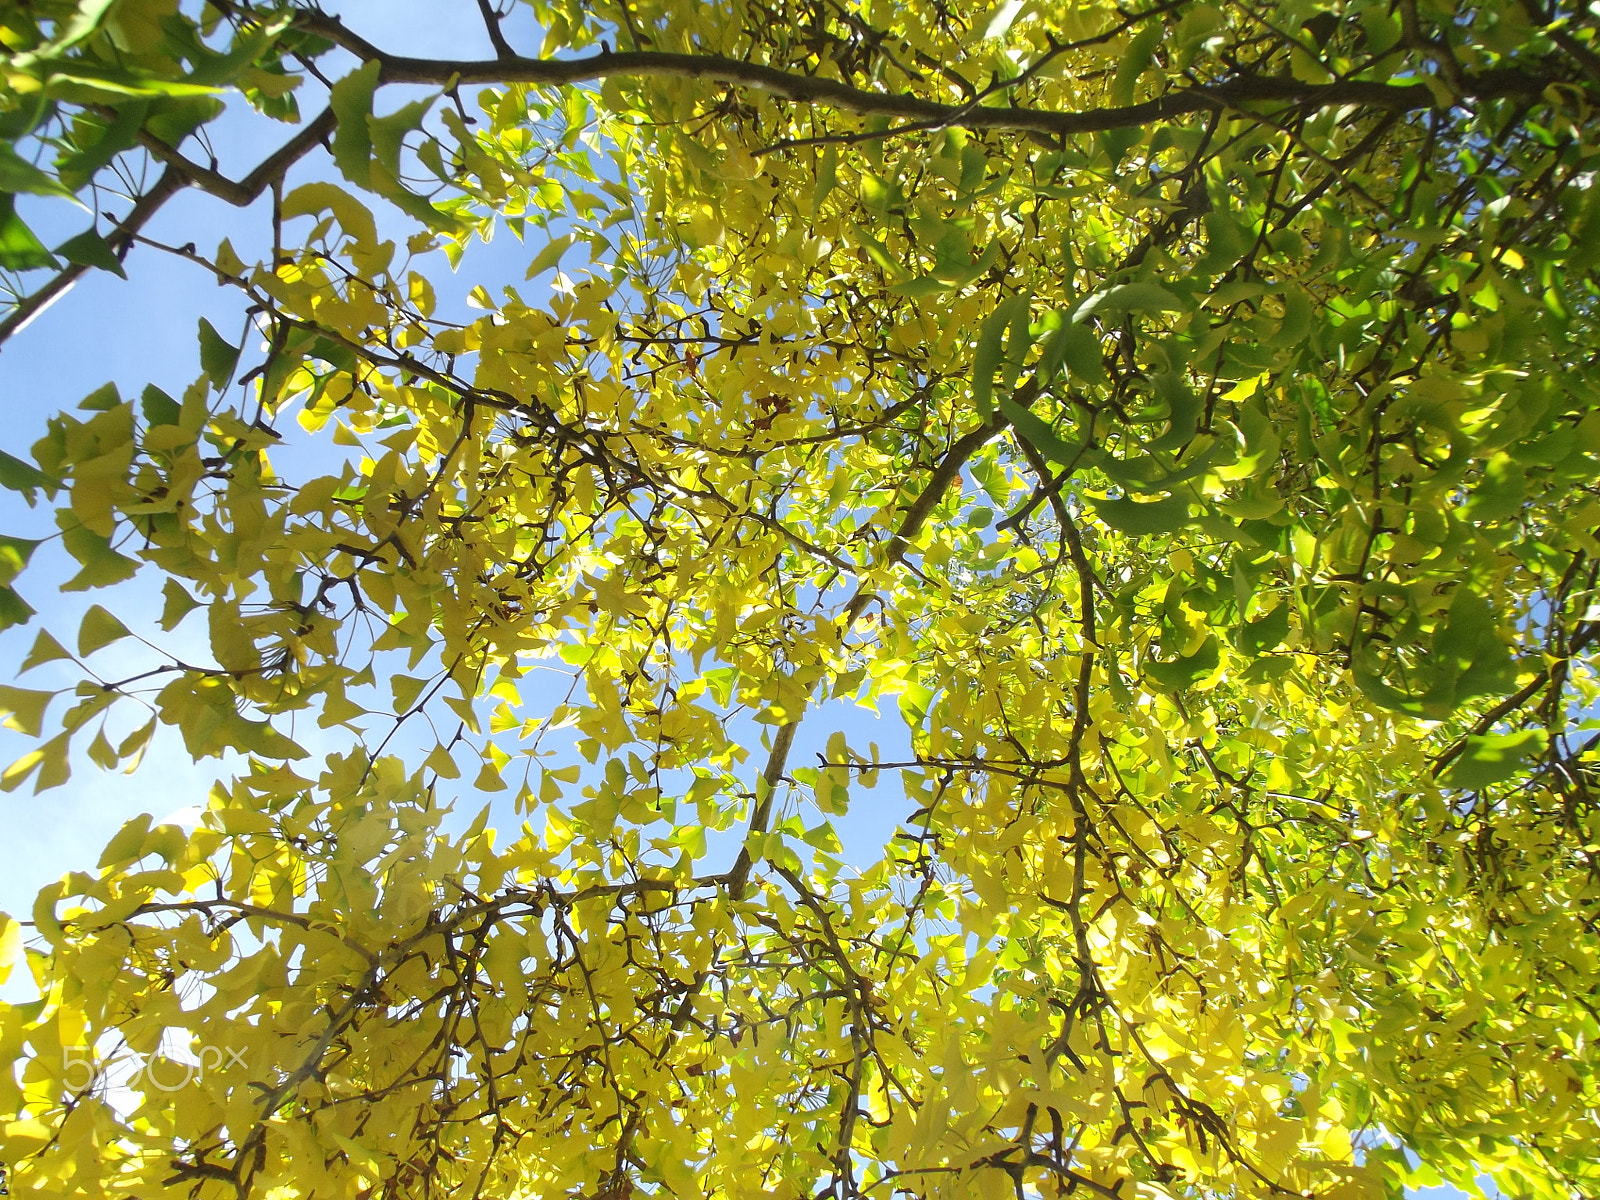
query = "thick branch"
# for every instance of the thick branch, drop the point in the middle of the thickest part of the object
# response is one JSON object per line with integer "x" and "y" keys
{"x": 808, "y": 89}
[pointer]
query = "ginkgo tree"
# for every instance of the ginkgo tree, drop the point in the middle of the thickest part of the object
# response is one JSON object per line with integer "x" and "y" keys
{"x": 1184, "y": 411}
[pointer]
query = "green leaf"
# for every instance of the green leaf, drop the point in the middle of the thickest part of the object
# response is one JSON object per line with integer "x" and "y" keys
{"x": 250, "y": 44}
{"x": 549, "y": 256}
{"x": 986, "y": 359}
{"x": 1503, "y": 490}
{"x": 878, "y": 252}
{"x": 388, "y": 133}
{"x": 1370, "y": 680}
{"x": 406, "y": 689}
{"x": 1115, "y": 143}
{"x": 45, "y": 649}
{"x": 336, "y": 354}
{"x": 407, "y": 201}
{"x": 19, "y": 122}
{"x": 102, "y": 564}
{"x": 122, "y": 133}
{"x": 1265, "y": 633}
{"x": 1148, "y": 474}
{"x": 1019, "y": 338}
{"x": 1075, "y": 346}
{"x": 948, "y": 278}
{"x": 14, "y": 610}
{"x": 99, "y": 628}
{"x": 85, "y": 21}
{"x": 877, "y": 193}
{"x": 24, "y": 709}
{"x": 1494, "y": 757}
{"x": 1261, "y": 444}
{"x": 24, "y": 477}
{"x": 1470, "y": 639}
{"x": 1468, "y": 659}
{"x": 1039, "y": 435}
{"x": 1381, "y": 26}
{"x": 1083, "y": 354}
{"x": 17, "y": 174}
{"x": 218, "y": 357}
{"x": 14, "y": 555}
{"x": 1142, "y": 519}
{"x": 177, "y": 604}
{"x": 1184, "y": 408}
{"x": 1139, "y": 297}
{"x": 922, "y": 287}
{"x": 20, "y": 248}
{"x": 127, "y": 844}
{"x": 82, "y": 81}
{"x": 159, "y": 408}
{"x": 1186, "y": 672}
{"x": 827, "y": 177}
{"x": 103, "y": 399}
{"x": 175, "y": 119}
{"x": 351, "y": 101}
{"x": 89, "y": 249}
{"x": 824, "y": 838}
{"x": 1001, "y": 18}
{"x": 1134, "y": 61}
{"x": 1296, "y": 326}
{"x": 260, "y": 738}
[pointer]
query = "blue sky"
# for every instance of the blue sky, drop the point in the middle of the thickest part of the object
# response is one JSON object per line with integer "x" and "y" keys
{"x": 142, "y": 331}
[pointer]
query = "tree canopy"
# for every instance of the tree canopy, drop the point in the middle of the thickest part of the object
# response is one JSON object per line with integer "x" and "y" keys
{"x": 1183, "y": 413}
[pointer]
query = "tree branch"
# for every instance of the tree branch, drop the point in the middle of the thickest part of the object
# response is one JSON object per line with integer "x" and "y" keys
{"x": 180, "y": 173}
{"x": 145, "y": 207}
{"x": 497, "y": 38}
{"x": 777, "y": 762}
{"x": 247, "y": 190}
{"x": 807, "y": 89}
